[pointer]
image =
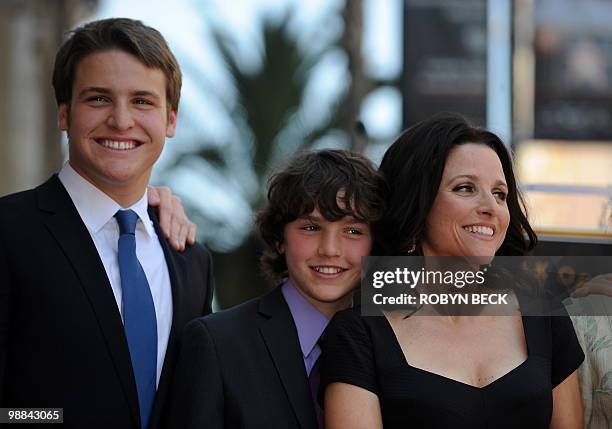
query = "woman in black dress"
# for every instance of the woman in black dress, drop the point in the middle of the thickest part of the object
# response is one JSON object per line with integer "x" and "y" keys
{"x": 452, "y": 193}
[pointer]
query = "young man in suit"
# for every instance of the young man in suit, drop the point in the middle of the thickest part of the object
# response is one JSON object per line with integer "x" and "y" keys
{"x": 254, "y": 366}
{"x": 92, "y": 298}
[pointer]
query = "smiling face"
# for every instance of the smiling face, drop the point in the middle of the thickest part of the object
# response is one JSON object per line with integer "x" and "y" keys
{"x": 324, "y": 258}
{"x": 117, "y": 123}
{"x": 469, "y": 216}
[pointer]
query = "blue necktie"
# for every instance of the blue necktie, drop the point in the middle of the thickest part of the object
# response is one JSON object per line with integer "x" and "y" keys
{"x": 138, "y": 315}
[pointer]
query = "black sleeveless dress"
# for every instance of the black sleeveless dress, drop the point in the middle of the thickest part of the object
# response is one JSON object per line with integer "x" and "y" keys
{"x": 363, "y": 351}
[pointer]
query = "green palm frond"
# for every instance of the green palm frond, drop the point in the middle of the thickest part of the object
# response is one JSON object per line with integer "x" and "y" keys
{"x": 269, "y": 96}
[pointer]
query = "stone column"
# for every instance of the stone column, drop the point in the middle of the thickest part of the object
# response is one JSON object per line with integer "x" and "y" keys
{"x": 30, "y": 32}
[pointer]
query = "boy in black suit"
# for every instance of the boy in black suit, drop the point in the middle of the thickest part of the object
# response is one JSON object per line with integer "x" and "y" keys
{"x": 254, "y": 366}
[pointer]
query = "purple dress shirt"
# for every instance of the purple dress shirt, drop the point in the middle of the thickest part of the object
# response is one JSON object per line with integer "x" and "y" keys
{"x": 310, "y": 324}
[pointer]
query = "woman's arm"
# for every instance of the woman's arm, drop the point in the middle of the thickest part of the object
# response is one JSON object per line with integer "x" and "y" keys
{"x": 351, "y": 407}
{"x": 567, "y": 404}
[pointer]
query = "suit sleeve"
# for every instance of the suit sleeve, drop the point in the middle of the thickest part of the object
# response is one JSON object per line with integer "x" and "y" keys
{"x": 4, "y": 316}
{"x": 197, "y": 392}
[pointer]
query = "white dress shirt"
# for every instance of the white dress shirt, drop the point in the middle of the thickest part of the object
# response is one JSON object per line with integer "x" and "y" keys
{"x": 97, "y": 210}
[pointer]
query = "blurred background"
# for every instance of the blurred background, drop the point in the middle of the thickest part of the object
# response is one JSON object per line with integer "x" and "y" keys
{"x": 264, "y": 78}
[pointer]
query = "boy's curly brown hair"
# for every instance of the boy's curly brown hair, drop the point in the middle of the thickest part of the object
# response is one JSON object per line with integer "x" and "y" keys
{"x": 337, "y": 182}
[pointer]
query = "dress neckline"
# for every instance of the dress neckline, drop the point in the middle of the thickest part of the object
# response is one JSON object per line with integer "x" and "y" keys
{"x": 398, "y": 349}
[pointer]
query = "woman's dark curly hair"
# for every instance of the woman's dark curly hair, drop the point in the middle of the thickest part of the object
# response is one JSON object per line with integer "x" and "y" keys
{"x": 337, "y": 182}
{"x": 413, "y": 167}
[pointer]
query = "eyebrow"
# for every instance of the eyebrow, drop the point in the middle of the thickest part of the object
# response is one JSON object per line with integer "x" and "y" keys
{"x": 473, "y": 177}
{"x": 102, "y": 90}
{"x": 97, "y": 89}
{"x": 144, "y": 93}
{"x": 351, "y": 219}
{"x": 346, "y": 219}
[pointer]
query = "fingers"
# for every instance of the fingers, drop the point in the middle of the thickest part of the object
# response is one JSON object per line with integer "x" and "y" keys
{"x": 191, "y": 234}
{"x": 165, "y": 209}
{"x": 178, "y": 220}
{"x": 173, "y": 221}
{"x": 152, "y": 196}
{"x": 181, "y": 239}
{"x": 580, "y": 291}
{"x": 599, "y": 285}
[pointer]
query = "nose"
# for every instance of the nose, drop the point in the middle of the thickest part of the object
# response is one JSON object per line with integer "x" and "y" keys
{"x": 487, "y": 204}
{"x": 120, "y": 118}
{"x": 329, "y": 244}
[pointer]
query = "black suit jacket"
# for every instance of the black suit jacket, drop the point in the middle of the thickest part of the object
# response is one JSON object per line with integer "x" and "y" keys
{"x": 62, "y": 342}
{"x": 242, "y": 368}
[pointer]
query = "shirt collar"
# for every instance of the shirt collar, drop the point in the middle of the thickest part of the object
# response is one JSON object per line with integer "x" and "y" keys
{"x": 309, "y": 321}
{"x": 94, "y": 206}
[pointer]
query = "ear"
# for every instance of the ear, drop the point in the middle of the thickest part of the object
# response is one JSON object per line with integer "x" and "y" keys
{"x": 63, "y": 117}
{"x": 280, "y": 248}
{"x": 171, "y": 126}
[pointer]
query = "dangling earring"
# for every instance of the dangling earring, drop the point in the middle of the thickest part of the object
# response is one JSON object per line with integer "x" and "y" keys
{"x": 412, "y": 247}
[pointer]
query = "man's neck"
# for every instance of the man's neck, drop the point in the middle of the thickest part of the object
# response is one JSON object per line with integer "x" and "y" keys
{"x": 126, "y": 195}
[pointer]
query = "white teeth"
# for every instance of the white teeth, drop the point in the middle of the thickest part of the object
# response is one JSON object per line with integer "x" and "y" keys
{"x": 117, "y": 145}
{"x": 478, "y": 229}
{"x": 327, "y": 270}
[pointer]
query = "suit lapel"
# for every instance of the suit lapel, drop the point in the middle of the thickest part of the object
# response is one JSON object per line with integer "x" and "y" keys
{"x": 66, "y": 226}
{"x": 178, "y": 279}
{"x": 280, "y": 336}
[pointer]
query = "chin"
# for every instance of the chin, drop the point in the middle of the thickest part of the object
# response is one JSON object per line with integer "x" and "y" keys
{"x": 122, "y": 172}
{"x": 332, "y": 294}
{"x": 479, "y": 260}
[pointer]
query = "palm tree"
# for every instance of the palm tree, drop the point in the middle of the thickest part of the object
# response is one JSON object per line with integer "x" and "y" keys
{"x": 267, "y": 114}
